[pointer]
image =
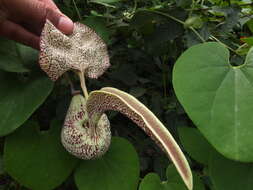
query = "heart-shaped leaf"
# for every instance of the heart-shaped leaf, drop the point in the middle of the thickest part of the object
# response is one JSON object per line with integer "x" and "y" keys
{"x": 224, "y": 173}
{"x": 195, "y": 144}
{"x": 229, "y": 174}
{"x": 82, "y": 51}
{"x": 117, "y": 169}
{"x": 218, "y": 97}
{"x": 20, "y": 96}
{"x": 114, "y": 99}
{"x": 36, "y": 159}
{"x": 152, "y": 181}
{"x": 11, "y": 57}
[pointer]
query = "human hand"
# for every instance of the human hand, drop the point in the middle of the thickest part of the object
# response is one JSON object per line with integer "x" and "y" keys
{"x": 23, "y": 20}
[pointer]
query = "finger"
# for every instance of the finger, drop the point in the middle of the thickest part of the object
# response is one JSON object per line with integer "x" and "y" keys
{"x": 15, "y": 32}
{"x": 63, "y": 23}
{"x": 38, "y": 12}
{"x": 33, "y": 28}
{"x": 51, "y": 4}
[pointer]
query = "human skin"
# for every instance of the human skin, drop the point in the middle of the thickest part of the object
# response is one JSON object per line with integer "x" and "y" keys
{"x": 23, "y": 20}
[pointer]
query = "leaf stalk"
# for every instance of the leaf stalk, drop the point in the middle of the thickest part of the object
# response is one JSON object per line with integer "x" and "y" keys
{"x": 83, "y": 84}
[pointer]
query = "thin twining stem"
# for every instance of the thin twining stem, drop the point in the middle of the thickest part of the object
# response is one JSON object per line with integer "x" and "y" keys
{"x": 77, "y": 11}
{"x": 166, "y": 15}
{"x": 104, "y": 4}
{"x": 217, "y": 40}
{"x": 193, "y": 29}
{"x": 197, "y": 34}
{"x": 83, "y": 84}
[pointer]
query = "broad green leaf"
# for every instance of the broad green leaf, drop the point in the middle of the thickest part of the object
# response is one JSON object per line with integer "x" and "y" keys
{"x": 99, "y": 25}
{"x": 11, "y": 58}
{"x": 29, "y": 55}
{"x": 225, "y": 174}
{"x": 151, "y": 181}
{"x": 174, "y": 182}
{"x": 20, "y": 96}
{"x": 218, "y": 97}
{"x": 195, "y": 144}
{"x": 37, "y": 159}
{"x": 113, "y": 99}
{"x": 117, "y": 169}
{"x": 250, "y": 25}
{"x": 228, "y": 174}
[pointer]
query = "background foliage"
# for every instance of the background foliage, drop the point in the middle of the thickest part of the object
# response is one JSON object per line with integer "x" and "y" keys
{"x": 145, "y": 38}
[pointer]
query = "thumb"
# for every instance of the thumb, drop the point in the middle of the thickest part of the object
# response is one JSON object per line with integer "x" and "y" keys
{"x": 37, "y": 11}
{"x": 62, "y": 22}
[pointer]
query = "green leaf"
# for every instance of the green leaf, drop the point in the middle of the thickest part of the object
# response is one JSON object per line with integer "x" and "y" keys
{"x": 99, "y": 25}
{"x": 37, "y": 159}
{"x": 11, "y": 58}
{"x": 195, "y": 144}
{"x": 150, "y": 182}
{"x": 250, "y": 25}
{"x": 174, "y": 182}
{"x": 228, "y": 174}
{"x": 248, "y": 40}
{"x": 29, "y": 55}
{"x": 217, "y": 97}
{"x": 20, "y": 96}
{"x": 117, "y": 169}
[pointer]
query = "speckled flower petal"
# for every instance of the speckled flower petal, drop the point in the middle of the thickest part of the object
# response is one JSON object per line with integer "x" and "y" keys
{"x": 78, "y": 137}
{"x": 113, "y": 99}
{"x": 83, "y": 51}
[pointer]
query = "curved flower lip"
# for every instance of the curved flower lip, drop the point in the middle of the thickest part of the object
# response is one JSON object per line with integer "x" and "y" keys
{"x": 109, "y": 98}
{"x": 82, "y": 51}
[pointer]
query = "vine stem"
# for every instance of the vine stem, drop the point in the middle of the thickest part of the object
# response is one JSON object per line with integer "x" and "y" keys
{"x": 104, "y": 4}
{"x": 217, "y": 40}
{"x": 166, "y": 15}
{"x": 83, "y": 84}
{"x": 135, "y": 7}
{"x": 177, "y": 20}
{"x": 197, "y": 34}
{"x": 193, "y": 29}
{"x": 77, "y": 11}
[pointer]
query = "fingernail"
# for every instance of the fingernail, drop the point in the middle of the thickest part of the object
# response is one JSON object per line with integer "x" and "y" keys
{"x": 65, "y": 25}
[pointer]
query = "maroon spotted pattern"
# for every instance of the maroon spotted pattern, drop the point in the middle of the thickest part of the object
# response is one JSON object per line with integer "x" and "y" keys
{"x": 101, "y": 101}
{"x": 79, "y": 137}
{"x": 83, "y": 51}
